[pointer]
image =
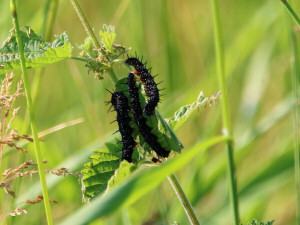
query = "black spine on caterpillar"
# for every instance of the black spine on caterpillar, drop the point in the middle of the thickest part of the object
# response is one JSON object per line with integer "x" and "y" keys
{"x": 140, "y": 120}
{"x": 150, "y": 86}
{"x": 120, "y": 103}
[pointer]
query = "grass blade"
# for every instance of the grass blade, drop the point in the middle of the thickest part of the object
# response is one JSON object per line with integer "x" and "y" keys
{"x": 225, "y": 109}
{"x": 136, "y": 186}
{"x": 296, "y": 91}
{"x": 291, "y": 12}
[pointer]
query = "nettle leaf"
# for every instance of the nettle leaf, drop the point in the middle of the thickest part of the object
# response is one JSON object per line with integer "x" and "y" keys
{"x": 184, "y": 112}
{"x": 37, "y": 52}
{"x": 105, "y": 169}
{"x": 107, "y": 35}
{"x": 100, "y": 60}
{"x": 121, "y": 174}
{"x": 89, "y": 49}
{"x": 97, "y": 172}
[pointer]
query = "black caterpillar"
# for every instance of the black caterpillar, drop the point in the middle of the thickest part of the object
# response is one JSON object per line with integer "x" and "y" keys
{"x": 140, "y": 120}
{"x": 150, "y": 86}
{"x": 120, "y": 103}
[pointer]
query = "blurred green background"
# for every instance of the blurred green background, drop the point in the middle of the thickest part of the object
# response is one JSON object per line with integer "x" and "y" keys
{"x": 176, "y": 38}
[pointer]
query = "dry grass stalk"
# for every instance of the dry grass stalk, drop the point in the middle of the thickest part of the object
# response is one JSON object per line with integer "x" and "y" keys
{"x": 18, "y": 212}
{"x": 38, "y": 199}
{"x": 8, "y": 136}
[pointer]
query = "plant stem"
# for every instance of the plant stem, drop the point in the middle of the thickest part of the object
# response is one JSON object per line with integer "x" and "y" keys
{"x": 49, "y": 19}
{"x": 31, "y": 113}
{"x": 79, "y": 58}
{"x": 295, "y": 83}
{"x": 113, "y": 75}
{"x": 227, "y": 131}
{"x": 46, "y": 32}
{"x": 291, "y": 11}
{"x": 183, "y": 199}
{"x": 85, "y": 22}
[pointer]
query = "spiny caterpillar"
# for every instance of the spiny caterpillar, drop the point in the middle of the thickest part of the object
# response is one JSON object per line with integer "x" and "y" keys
{"x": 140, "y": 120}
{"x": 120, "y": 103}
{"x": 150, "y": 86}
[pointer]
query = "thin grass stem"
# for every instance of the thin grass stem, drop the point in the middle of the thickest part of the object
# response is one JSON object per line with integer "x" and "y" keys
{"x": 31, "y": 113}
{"x": 183, "y": 199}
{"x": 227, "y": 130}
{"x": 85, "y": 22}
{"x": 296, "y": 94}
{"x": 49, "y": 19}
{"x": 46, "y": 32}
{"x": 296, "y": 91}
{"x": 291, "y": 12}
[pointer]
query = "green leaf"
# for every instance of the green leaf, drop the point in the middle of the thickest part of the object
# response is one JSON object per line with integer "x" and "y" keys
{"x": 97, "y": 173}
{"x": 37, "y": 52}
{"x": 107, "y": 35}
{"x": 100, "y": 60}
{"x": 136, "y": 186}
{"x": 88, "y": 47}
{"x": 184, "y": 112}
{"x": 121, "y": 174}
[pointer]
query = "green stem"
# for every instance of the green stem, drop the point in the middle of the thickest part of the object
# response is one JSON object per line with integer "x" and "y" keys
{"x": 85, "y": 22}
{"x": 295, "y": 83}
{"x": 49, "y": 19}
{"x": 183, "y": 199}
{"x": 113, "y": 75}
{"x": 31, "y": 113}
{"x": 46, "y": 31}
{"x": 291, "y": 11}
{"x": 227, "y": 131}
{"x": 79, "y": 58}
